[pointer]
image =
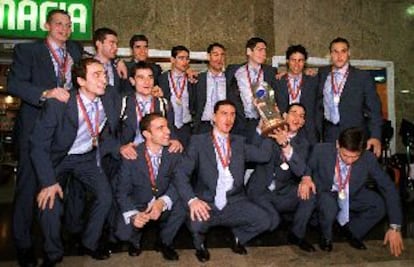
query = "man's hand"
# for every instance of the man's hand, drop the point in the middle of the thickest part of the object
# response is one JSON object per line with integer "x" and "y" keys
{"x": 128, "y": 151}
{"x": 58, "y": 93}
{"x": 192, "y": 75}
{"x": 311, "y": 71}
{"x": 175, "y": 146}
{"x": 376, "y": 145}
{"x": 157, "y": 91}
{"x": 396, "y": 242}
{"x": 199, "y": 210}
{"x": 155, "y": 209}
{"x": 280, "y": 135}
{"x": 141, "y": 219}
{"x": 48, "y": 194}
{"x": 279, "y": 75}
{"x": 306, "y": 186}
{"x": 122, "y": 69}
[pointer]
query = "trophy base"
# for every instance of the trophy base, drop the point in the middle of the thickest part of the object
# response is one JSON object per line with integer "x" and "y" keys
{"x": 272, "y": 125}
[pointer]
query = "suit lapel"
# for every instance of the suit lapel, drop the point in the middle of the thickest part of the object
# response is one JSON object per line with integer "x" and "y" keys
{"x": 202, "y": 91}
{"x": 72, "y": 109}
{"x": 163, "y": 168}
{"x": 46, "y": 60}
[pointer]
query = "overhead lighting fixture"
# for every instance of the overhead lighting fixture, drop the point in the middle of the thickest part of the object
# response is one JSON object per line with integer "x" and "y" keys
{"x": 405, "y": 91}
{"x": 410, "y": 10}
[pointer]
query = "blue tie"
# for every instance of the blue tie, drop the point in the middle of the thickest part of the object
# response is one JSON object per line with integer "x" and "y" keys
{"x": 343, "y": 214}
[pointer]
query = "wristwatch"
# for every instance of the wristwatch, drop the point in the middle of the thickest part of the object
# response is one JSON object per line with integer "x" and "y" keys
{"x": 395, "y": 227}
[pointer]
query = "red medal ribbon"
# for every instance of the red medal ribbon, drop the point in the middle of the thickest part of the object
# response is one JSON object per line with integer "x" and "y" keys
{"x": 62, "y": 65}
{"x": 140, "y": 112}
{"x": 294, "y": 94}
{"x": 151, "y": 171}
{"x": 248, "y": 76}
{"x": 225, "y": 160}
{"x": 94, "y": 134}
{"x": 337, "y": 89}
{"x": 342, "y": 184}
{"x": 178, "y": 94}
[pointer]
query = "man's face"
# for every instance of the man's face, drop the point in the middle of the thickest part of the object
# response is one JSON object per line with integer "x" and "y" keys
{"x": 224, "y": 118}
{"x": 140, "y": 50}
{"x": 158, "y": 132}
{"x": 295, "y": 118}
{"x": 143, "y": 81}
{"x": 347, "y": 156}
{"x": 59, "y": 28}
{"x": 257, "y": 55}
{"x": 296, "y": 63}
{"x": 182, "y": 61}
{"x": 95, "y": 81}
{"x": 340, "y": 54}
{"x": 109, "y": 47}
{"x": 216, "y": 59}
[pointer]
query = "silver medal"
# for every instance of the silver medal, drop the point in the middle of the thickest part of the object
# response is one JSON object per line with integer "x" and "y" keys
{"x": 341, "y": 194}
{"x": 284, "y": 166}
{"x": 337, "y": 98}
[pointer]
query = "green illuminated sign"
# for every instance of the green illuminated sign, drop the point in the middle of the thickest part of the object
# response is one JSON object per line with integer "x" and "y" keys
{"x": 26, "y": 18}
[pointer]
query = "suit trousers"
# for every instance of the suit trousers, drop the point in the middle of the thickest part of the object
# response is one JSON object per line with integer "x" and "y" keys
{"x": 84, "y": 169}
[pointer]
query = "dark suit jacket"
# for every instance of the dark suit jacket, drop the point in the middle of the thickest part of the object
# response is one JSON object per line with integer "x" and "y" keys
{"x": 55, "y": 131}
{"x": 308, "y": 98}
{"x": 31, "y": 73}
{"x": 359, "y": 97}
{"x": 164, "y": 83}
{"x": 200, "y": 158}
{"x": 322, "y": 164}
{"x": 269, "y": 73}
{"x": 129, "y": 123}
{"x": 285, "y": 179}
{"x": 134, "y": 191}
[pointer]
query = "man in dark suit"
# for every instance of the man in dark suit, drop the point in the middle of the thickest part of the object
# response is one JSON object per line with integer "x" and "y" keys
{"x": 177, "y": 88}
{"x": 274, "y": 185}
{"x": 139, "y": 46}
{"x": 241, "y": 80}
{"x": 40, "y": 71}
{"x": 216, "y": 195}
{"x": 297, "y": 87}
{"x": 70, "y": 139}
{"x": 210, "y": 88}
{"x": 340, "y": 173}
{"x": 349, "y": 98}
{"x": 145, "y": 190}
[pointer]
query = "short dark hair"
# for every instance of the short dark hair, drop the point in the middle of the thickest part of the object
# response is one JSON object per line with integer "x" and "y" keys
{"x": 80, "y": 69}
{"x": 252, "y": 42}
{"x": 136, "y": 38}
{"x": 296, "y": 49}
{"x": 52, "y": 12}
{"x": 296, "y": 105}
{"x": 145, "y": 122}
{"x": 176, "y": 49}
{"x": 101, "y": 33}
{"x": 352, "y": 139}
{"x": 339, "y": 40}
{"x": 211, "y": 46}
{"x": 139, "y": 66}
{"x": 224, "y": 102}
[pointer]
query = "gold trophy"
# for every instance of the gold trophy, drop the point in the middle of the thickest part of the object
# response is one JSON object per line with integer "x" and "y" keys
{"x": 264, "y": 99}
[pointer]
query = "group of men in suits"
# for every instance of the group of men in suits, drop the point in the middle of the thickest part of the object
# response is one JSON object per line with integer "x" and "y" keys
{"x": 83, "y": 128}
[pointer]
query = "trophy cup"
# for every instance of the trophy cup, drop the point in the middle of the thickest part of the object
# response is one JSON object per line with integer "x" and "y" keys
{"x": 264, "y": 97}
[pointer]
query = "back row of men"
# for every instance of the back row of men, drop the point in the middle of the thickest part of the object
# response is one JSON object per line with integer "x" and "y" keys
{"x": 81, "y": 121}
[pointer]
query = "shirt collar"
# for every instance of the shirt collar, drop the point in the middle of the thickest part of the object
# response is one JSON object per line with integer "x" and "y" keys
{"x": 342, "y": 70}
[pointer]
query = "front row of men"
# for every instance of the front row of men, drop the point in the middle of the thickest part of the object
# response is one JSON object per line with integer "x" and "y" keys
{"x": 206, "y": 184}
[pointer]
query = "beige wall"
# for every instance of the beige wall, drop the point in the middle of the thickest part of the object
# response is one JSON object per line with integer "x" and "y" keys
{"x": 377, "y": 29}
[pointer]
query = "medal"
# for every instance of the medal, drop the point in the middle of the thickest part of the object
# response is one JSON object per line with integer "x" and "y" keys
{"x": 152, "y": 177}
{"x": 178, "y": 102}
{"x": 224, "y": 158}
{"x": 178, "y": 91}
{"x": 284, "y": 166}
{"x": 227, "y": 171}
{"x": 94, "y": 141}
{"x": 94, "y": 133}
{"x": 337, "y": 98}
{"x": 338, "y": 88}
{"x": 154, "y": 189}
{"x": 342, "y": 194}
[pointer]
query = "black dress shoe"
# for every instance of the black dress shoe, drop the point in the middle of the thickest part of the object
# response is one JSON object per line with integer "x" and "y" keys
{"x": 168, "y": 252}
{"x": 356, "y": 243}
{"x": 134, "y": 251}
{"x": 26, "y": 257}
{"x": 98, "y": 254}
{"x": 325, "y": 244}
{"x": 300, "y": 242}
{"x": 238, "y": 248}
{"x": 50, "y": 262}
{"x": 202, "y": 254}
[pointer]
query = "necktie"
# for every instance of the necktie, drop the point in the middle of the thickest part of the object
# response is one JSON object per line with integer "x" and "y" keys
{"x": 94, "y": 107}
{"x": 220, "y": 199}
{"x": 155, "y": 160}
{"x": 343, "y": 214}
{"x": 179, "y": 108}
